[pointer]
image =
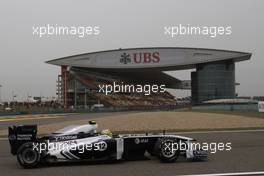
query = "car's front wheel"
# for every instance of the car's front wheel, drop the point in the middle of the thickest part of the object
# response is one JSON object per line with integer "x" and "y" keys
{"x": 27, "y": 156}
{"x": 167, "y": 150}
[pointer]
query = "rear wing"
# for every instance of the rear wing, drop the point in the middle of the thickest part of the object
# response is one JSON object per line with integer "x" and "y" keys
{"x": 18, "y": 135}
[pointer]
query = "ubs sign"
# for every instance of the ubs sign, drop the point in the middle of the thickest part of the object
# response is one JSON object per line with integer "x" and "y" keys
{"x": 142, "y": 57}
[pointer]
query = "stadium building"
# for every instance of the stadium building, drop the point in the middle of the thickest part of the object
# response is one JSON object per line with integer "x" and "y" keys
{"x": 81, "y": 75}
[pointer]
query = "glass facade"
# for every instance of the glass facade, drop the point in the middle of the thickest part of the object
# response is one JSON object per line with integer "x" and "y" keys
{"x": 214, "y": 80}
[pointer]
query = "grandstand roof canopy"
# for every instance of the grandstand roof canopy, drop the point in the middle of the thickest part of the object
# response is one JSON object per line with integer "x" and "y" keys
{"x": 159, "y": 58}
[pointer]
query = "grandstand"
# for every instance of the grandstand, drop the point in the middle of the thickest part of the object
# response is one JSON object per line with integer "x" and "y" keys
{"x": 81, "y": 76}
{"x": 86, "y": 84}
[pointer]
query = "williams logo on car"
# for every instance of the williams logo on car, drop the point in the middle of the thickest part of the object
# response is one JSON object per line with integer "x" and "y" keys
{"x": 12, "y": 137}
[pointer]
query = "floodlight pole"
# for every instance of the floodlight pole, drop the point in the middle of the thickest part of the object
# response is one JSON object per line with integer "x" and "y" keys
{"x": 13, "y": 98}
{"x": 1, "y": 93}
{"x": 75, "y": 93}
{"x": 85, "y": 101}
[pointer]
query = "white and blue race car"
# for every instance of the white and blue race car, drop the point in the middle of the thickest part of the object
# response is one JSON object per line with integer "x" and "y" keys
{"x": 84, "y": 143}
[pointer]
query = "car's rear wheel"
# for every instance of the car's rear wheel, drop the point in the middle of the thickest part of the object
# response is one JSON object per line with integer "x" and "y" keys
{"x": 27, "y": 156}
{"x": 167, "y": 150}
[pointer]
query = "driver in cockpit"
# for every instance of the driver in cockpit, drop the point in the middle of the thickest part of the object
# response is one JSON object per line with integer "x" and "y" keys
{"x": 106, "y": 132}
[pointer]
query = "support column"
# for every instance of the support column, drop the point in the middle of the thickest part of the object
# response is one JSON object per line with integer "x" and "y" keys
{"x": 85, "y": 101}
{"x": 75, "y": 93}
{"x": 215, "y": 80}
{"x": 65, "y": 86}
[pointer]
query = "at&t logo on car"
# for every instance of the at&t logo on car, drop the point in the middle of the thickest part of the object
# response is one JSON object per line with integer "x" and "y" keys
{"x": 142, "y": 140}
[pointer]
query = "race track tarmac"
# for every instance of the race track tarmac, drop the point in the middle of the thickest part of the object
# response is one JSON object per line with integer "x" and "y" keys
{"x": 54, "y": 118}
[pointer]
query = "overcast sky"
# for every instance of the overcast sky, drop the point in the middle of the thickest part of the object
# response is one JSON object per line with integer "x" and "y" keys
{"x": 123, "y": 24}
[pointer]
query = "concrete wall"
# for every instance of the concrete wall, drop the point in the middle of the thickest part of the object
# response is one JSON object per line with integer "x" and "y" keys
{"x": 228, "y": 107}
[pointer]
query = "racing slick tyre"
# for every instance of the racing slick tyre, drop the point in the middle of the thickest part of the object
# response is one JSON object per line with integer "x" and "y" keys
{"x": 167, "y": 150}
{"x": 27, "y": 156}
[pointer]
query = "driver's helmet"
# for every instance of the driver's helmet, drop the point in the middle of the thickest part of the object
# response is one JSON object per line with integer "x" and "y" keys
{"x": 106, "y": 132}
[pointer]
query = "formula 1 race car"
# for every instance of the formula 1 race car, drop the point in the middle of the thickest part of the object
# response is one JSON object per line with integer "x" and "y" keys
{"x": 84, "y": 143}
